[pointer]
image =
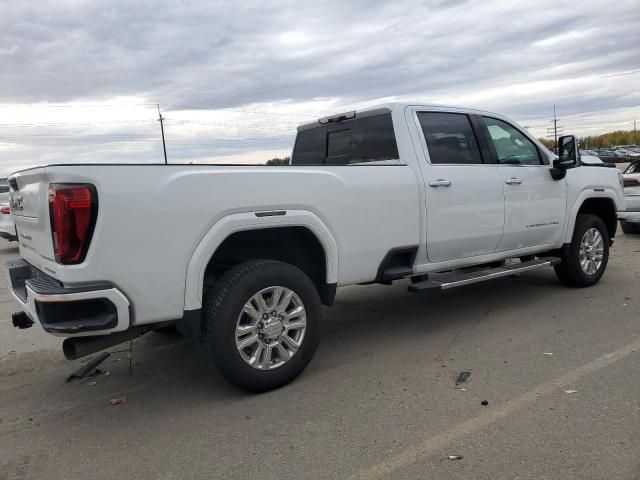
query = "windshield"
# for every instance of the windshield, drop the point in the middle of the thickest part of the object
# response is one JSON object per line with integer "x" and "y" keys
{"x": 634, "y": 167}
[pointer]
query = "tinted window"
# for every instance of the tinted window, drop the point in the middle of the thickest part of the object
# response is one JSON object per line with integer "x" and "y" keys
{"x": 367, "y": 139}
{"x": 450, "y": 138}
{"x": 339, "y": 143}
{"x": 511, "y": 146}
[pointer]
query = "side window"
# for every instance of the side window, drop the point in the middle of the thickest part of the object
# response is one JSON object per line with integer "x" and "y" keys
{"x": 511, "y": 146}
{"x": 450, "y": 138}
{"x": 361, "y": 140}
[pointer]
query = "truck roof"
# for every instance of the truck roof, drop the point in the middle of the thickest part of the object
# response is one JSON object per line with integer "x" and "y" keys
{"x": 386, "y": 108}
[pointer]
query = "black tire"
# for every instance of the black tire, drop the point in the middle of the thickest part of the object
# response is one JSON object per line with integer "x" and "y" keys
{"x": 569, "y": 271}
{"x": 630, "y": 228}
{"x": 222, "y": 306}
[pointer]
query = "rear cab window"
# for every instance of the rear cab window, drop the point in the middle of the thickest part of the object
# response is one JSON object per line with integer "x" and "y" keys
{"x": 361, "y": 140}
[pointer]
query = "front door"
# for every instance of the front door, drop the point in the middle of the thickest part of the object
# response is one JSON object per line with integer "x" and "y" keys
{"x": 534, "y": 202}
{"x": 465, "y": 199}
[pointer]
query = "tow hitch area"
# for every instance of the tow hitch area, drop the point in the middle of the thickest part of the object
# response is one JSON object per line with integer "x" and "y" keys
{"x": 21, "y": 320}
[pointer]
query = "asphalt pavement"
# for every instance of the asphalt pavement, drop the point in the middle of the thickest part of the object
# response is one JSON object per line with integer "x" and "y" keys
{"x": 558, "y": 368}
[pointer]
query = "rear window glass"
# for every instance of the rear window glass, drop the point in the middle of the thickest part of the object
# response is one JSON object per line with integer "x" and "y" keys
{"x": 368, "y": 139}
{"x": 450, "y": 138}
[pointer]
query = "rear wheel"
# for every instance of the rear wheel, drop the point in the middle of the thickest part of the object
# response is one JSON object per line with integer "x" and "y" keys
{"x": 260, "y": 324}
{"x": 588, "y": 253}
{"x": 630, "y": 228}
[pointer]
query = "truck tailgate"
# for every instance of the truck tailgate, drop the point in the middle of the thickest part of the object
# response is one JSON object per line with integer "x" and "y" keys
{"x": 30, "y": 211}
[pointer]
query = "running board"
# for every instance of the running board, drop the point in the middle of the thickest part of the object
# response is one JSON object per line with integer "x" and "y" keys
{"x": 460, "y": 280}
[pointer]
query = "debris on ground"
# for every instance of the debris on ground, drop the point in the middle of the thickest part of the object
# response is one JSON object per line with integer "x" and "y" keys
{"x": 547, "y": 354}
{"x": 12, "y": 352}
{"x": 455, "y": 457}
{"x": 463, "y": 377}
{"x": 571, "y": 391}
{"x": 90, "y": 369}
{"x": 118, "y": 400}
{"x": 484, "y": 402}
{"x": 91, "y": 384}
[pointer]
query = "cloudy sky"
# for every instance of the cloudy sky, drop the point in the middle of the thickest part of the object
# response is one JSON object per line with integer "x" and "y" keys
{"x": 80, "y": 79}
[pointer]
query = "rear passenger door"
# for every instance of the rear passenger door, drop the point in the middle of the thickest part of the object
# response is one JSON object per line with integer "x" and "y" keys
{"x": 535, "y": 203}
{"x": 465, "y": 198}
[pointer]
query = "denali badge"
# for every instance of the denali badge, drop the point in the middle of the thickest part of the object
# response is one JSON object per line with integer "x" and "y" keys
{"x": 16, "y": 204}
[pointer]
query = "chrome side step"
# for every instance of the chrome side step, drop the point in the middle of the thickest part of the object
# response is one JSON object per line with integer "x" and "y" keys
{"x": 462, "y": 279}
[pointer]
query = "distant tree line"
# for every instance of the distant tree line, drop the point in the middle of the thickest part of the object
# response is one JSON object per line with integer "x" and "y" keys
{"x": 279, "y": 161}
{"x": 619, "y": 137}
{"x": 546, "y": 142}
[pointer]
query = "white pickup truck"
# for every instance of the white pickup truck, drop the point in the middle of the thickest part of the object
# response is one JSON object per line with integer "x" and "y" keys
{"x": 244, "y": 256}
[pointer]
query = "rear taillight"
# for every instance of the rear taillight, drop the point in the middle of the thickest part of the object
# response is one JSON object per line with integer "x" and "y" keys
{"x": 631, "y": 182}
{"x": 73, "y": 209}
{"x": 5, "y": 210}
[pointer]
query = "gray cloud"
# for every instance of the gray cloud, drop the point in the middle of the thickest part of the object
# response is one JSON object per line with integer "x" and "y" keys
{"x": 230, "y": 54}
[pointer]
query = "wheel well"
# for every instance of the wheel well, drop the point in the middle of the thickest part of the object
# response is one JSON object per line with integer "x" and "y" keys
{"x": 603, "y": 208}
{"x": 297, "y": 246}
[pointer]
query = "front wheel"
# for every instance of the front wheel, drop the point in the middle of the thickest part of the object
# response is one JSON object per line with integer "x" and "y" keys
{"x": 588, "y": 253}
{"x": 260, "y": 324}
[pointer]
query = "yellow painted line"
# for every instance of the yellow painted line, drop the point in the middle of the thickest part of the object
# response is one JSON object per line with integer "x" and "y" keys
{"x": 418, "y": 452}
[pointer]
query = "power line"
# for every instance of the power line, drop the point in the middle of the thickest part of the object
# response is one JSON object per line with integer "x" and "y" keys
{"x": 256, "y": 112}
{"x": 631, "y": 72}
{"x": 189, "y": 107}
{"x": 53, "y": 105}
{"x": 73, "y": 124}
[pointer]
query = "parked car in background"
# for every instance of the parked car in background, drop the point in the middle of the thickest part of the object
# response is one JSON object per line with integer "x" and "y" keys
{"x": 608, "y": 156}
{"x": 626, "y": 155}
{"x": 591, "y": 153}
{"x": 7, "y": 227}
{"x": 630, "y": 218}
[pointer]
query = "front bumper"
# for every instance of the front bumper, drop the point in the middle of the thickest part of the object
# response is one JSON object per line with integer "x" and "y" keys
{"x": 68, "y": 311}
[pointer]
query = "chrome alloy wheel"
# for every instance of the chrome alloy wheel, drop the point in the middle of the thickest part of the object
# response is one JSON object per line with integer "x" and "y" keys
{"x": 271, "y": 327}
{"x": 591, "y": 251}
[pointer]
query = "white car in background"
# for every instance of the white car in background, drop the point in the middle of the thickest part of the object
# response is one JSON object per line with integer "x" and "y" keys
{"x": 7, "y": 227}
{"x": 630, "y": 217}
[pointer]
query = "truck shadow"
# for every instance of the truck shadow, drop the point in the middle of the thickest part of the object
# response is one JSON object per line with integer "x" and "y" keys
{"x": 363, "y": 322}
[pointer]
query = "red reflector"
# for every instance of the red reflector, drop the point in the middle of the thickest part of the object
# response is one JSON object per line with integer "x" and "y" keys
{"x": 72, "y": 210}
{"x": 5, "y": 210}
{"x": 631, "y": 182}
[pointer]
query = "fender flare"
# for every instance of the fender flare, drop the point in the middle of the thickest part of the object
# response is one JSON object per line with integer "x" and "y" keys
{"x": 584, "y": 195}
{"x": 194, "y": 281}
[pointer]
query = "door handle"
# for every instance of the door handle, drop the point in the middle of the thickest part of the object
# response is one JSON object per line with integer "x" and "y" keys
{"x": 441, "y": 182}
{"x": 513, "y": 181}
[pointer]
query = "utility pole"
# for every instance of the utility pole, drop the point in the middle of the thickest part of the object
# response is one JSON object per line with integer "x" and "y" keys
{"x": 553, "y": 132}
{"x": 164, "y": 146}
{"x": 635, "y": 142}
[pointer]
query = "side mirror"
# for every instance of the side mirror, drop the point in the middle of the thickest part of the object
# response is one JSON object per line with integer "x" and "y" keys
{"x": 568, "y": 153}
